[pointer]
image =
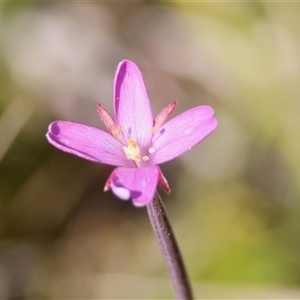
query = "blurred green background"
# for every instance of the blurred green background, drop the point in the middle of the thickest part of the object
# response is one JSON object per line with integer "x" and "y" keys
{"x": 235, "y": 202}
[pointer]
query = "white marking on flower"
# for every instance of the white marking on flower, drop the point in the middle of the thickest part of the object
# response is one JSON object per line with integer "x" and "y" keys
{"x": 145, "y": 158}
{"x": 151, "y": 150}
{"x": 121, "y": 192}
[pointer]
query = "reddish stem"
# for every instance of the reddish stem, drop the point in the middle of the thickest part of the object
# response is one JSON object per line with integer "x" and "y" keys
{"x": 170, "y": 250}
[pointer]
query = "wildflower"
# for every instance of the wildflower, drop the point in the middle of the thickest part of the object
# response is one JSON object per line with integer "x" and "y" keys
{"x": 135, "y": 144}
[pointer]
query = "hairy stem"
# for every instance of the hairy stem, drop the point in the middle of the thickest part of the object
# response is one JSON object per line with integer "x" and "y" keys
{"x": 170, "y": 250}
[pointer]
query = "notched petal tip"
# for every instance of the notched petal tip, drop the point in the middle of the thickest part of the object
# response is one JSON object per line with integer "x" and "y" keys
{"x": 214, "y": 124}
{"x": 208, "y": 114}
{"x": 87, "y": 142}
{"x": 53, "y": 132}
{"x": 54, "y": 128}
{"x": 126, "y": 63}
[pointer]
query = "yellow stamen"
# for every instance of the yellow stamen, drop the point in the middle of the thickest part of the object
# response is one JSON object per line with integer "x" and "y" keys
{"x": 132, "y": 151}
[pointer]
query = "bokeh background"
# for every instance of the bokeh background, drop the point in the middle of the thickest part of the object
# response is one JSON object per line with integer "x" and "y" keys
{"x": 235, "y": 202}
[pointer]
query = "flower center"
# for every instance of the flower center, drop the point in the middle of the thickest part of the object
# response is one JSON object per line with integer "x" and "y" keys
{"x": 132, "y": 151}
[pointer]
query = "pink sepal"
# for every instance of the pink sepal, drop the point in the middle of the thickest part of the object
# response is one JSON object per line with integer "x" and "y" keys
{"x": 162, "y": 181}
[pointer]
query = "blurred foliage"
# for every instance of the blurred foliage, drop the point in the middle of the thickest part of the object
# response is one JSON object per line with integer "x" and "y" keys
{"x": 235, "y": 203}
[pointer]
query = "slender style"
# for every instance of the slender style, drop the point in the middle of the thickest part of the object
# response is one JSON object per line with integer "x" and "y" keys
{"x": 169, "y": 247}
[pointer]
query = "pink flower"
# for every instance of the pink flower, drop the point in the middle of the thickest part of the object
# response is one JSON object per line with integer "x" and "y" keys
{"x": 135, "y": 144}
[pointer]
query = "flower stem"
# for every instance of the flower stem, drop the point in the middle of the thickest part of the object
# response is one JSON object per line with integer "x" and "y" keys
{"x": 167, "y": 242}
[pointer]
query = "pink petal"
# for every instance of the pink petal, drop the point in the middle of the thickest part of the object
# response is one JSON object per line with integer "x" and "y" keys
{"x": 182, "y": 133}
{"x": 131, "y": 104}
{"x": 139, "y": 183}
{"x": 87, "y": 142}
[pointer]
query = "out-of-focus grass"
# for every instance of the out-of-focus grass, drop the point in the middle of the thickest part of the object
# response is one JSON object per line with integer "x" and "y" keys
{"x": 235, "y": 200}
